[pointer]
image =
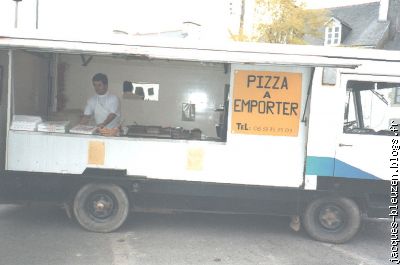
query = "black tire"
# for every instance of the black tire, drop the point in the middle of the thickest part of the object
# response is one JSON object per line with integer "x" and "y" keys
{"x": 101, "y": 207}
{"x": 332, "y": 219}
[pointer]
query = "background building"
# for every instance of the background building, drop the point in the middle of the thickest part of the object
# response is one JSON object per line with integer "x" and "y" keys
{"x": 371, "y": 25}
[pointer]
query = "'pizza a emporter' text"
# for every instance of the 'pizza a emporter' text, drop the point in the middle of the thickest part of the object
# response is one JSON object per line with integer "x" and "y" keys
{"x": 267, "y": 106}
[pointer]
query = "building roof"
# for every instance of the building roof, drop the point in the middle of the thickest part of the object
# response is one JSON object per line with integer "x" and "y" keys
{"x": 341, "y": 21}
{"x": 394, "y": 16}
{"x": 393, "y": 44}
{"x": 366, "y": 29}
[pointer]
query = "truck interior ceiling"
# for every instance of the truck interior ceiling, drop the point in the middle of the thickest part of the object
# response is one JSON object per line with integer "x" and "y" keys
{"x": 371, "y": 107}
{"x": 159, "y": 98}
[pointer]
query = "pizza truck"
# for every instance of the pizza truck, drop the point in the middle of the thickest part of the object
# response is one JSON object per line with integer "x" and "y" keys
{"x": 300, "y": 131}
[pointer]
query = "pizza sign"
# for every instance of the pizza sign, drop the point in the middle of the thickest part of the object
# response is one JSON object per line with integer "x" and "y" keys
{"x": 266, "y": 103}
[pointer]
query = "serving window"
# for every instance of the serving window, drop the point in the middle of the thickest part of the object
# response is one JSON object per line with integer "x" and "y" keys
{"x": 158, "y": 98}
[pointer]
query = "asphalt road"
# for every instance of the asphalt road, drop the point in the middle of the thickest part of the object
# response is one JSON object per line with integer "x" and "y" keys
{"x": 45, "y": 235}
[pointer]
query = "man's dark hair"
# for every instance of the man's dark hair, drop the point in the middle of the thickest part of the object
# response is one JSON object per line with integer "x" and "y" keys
{"x": 100, "y": 77}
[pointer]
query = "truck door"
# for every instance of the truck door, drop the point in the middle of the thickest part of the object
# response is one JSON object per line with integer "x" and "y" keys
{"x": 371, "y": 113}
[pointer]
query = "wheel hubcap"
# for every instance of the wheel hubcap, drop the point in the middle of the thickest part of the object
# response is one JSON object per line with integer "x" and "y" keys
{"x": 101, "y": 205}
{"x": 331, "y": 217}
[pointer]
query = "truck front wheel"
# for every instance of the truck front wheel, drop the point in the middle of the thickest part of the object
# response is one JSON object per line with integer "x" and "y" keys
{"x": 332, "y": 219}
{"x": 101, "y": 207}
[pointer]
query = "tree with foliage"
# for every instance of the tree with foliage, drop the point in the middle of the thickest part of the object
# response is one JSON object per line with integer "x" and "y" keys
{"x": 283, "y": 21}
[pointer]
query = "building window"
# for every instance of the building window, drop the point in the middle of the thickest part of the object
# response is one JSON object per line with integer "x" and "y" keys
{"x": 336, "y": 36}
{"x": 332, "y": 34}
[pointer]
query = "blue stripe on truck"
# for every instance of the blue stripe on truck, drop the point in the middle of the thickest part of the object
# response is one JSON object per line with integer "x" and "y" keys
{"x": 328, "y": 166}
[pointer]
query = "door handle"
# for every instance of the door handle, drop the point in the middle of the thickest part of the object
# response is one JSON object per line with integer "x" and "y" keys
{"x": 342, "y": 145}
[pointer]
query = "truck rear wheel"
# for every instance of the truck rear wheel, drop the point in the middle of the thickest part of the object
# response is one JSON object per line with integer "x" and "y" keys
{"x": 332, "y": 219}
{"x": 101, "y": 207}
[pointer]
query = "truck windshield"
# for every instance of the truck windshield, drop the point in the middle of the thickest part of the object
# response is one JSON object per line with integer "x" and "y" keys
{"x": 371, "y": 107}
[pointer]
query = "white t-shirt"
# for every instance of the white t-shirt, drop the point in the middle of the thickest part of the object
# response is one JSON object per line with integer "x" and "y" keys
{"x": 109, "y": 102}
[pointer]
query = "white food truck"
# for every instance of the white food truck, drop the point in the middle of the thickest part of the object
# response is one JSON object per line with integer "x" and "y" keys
{"x": 301, "y": 131}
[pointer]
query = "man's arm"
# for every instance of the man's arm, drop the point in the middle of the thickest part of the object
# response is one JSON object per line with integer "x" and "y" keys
{"x": 113, "y": 108}
{"x": 109, "y": 118}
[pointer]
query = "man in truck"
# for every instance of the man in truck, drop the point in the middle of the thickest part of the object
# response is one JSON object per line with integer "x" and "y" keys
{"x": 104, "y": 106}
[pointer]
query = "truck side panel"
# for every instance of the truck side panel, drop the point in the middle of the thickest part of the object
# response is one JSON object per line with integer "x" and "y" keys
{"x": 266, "y": 157}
